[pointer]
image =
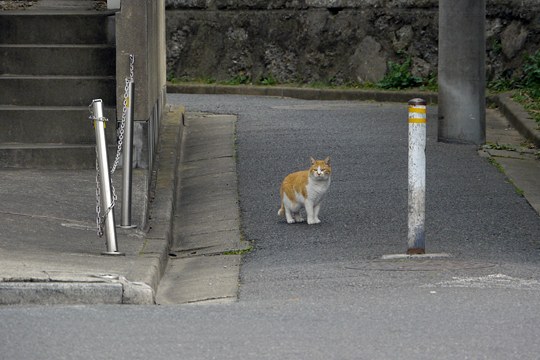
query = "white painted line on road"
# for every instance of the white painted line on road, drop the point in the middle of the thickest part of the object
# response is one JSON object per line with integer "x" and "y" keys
{"x": 497, "y": 281}
{"x": 415, "y": 256}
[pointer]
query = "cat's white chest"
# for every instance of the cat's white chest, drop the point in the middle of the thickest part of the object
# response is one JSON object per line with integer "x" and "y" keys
{"x": 316, "y": 189}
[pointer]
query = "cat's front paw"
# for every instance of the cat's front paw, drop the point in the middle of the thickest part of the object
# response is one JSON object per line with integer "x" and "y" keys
{"x": 313, "y": 222}
{"x": 290, "y": 221}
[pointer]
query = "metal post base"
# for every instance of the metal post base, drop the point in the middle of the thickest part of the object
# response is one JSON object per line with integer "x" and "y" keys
{"x": 126, "y": 226}
{"x": 113, "y": 253}
{"x": 416, "y": 251}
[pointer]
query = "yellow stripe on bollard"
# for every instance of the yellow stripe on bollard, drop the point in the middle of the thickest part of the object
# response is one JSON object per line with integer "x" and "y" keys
{"x": 417, "y": 114}
{"x": 419, "y": 110}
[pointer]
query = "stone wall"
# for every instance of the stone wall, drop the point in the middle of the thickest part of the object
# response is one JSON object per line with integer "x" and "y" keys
{"x": 330, "y": 41}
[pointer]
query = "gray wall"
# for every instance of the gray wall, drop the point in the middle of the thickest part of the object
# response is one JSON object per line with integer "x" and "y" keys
{"x": 331, "y": 41}
{"x": 140, "y": 25}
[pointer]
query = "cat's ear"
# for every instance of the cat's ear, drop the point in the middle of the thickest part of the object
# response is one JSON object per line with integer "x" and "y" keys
{"x": 327, "y": 160}
{"x": 312, "y": 161}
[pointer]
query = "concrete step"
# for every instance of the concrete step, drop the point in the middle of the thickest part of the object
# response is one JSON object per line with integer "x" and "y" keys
{"x": 62, "y": 125}
{"x": 56, "y": 90}
{"x": 56, "y": 27}
{"x": 51, "y": 156}
{"x": 29, "y": 59}
{"x": 55, "y": 58}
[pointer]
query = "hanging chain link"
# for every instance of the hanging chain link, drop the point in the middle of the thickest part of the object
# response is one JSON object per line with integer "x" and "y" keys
{"x": 125, "y": 106}
{"x": 100, "y": 220}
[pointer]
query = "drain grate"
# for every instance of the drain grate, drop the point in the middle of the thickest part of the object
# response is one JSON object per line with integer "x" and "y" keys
{"x": 420, "y": 265}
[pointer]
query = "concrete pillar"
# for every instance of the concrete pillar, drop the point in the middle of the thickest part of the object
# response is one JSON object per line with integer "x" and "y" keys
{"x": 461, "y": 77}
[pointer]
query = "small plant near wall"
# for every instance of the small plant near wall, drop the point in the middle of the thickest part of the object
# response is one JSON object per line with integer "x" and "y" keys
{"x": 399, "y": 76}
{"x": 531, "y": 71}
{"x": 268, "y": 80}
{"x": 526, "y": 87}
{"x": 529, "y": 86}
{"x": 240, "y": 79}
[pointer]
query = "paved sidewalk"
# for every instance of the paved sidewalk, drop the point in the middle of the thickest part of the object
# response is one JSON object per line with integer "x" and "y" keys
{"x": 516, "y": 157}
{"x": 50, "y": 253}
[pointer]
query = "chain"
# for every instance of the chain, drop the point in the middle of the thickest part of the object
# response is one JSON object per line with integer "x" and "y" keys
{"x": 99, "y": 223}
{"x": 124, "y": 113}
{"x": 100, "y": 220}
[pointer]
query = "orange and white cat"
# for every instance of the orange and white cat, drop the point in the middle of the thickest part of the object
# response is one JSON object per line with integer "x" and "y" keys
{"x": 305, "y": 189}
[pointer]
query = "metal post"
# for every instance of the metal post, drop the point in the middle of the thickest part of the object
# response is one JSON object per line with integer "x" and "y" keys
{"x": 150, "y": 142}
{"x": 127, "y": 160}
{"x": 105, "y": 180}
{"x": 417, "y": 176}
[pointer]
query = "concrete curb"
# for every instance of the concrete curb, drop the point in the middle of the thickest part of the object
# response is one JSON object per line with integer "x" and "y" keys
{"x": 105, "y": 289}
{"x": 513, "y": 111}
{"x": 206, "y": 253}
{"x": 159, "y": 237}
{"x": 303, "y": 93}
{"x": 60, "y": 293}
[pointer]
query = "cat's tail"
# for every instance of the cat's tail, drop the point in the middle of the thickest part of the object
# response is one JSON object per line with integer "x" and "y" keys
{"x": 281, "y": 210}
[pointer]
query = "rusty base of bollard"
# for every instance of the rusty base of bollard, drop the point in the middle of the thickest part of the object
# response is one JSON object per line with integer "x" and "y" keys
{"x": 416, "y": 251}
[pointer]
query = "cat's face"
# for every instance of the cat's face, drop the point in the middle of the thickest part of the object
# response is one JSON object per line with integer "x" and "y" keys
{"x": 320, "y": 169}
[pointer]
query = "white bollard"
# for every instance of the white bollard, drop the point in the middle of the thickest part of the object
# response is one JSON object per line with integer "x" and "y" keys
{"x": 104, "y": 177}
{"x": 417, "y": 176}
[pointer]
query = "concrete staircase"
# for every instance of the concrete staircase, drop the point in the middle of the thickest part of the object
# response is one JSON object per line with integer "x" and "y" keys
{"x": 53, "y": 62}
